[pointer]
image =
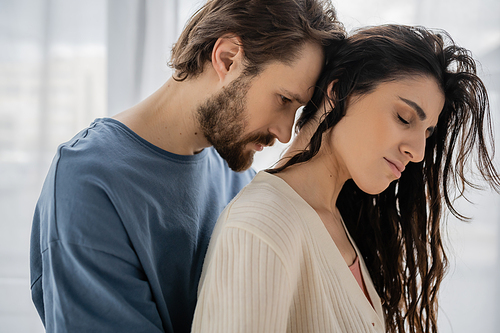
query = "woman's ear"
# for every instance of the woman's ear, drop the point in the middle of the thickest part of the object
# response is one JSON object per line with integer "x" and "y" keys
{"x": 303, "y": 137}
{"x": 329, "y": 90}
{"x": 327, "y": 103}
{"x": 227, "y": 57}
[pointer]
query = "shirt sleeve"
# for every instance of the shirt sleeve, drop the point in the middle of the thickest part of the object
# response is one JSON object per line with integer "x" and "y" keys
{"x": 93, "y": 279}
{"x": 246, "y": 287}
{"x": 88, "y": 290}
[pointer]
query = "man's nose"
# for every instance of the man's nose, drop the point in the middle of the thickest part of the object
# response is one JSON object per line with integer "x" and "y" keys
{"x": 282, "y": 128}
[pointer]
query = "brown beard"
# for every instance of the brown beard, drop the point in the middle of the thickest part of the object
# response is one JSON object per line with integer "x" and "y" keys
{"x": 222, "y": 119}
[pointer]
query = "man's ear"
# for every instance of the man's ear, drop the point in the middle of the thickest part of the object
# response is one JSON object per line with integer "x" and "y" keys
{"x": 227, "y": 57}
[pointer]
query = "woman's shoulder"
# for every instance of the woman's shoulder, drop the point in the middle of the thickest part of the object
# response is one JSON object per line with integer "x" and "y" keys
{"x": 267, "y": 199}
{"x": 266, "y": 208}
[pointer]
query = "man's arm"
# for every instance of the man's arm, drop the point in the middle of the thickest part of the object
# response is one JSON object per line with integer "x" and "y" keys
{"x": 88, "y": 290}
{"x": 91, "y": 278}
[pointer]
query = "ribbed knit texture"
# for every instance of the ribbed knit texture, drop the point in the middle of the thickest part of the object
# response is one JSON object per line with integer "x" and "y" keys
{"x": 273, "y": 267}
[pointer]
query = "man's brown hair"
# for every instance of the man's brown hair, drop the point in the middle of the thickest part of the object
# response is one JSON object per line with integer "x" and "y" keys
{"x": 269, "y": 30}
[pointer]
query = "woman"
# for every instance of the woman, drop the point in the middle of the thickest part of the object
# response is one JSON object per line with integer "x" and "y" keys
{"x": 345, "y": 236}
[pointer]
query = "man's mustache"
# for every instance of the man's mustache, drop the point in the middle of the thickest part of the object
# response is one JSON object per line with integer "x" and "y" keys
{"x": 265, "y": 139}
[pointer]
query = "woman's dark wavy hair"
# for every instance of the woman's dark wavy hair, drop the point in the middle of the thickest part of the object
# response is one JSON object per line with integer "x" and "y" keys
{"x": 398, "y": 230}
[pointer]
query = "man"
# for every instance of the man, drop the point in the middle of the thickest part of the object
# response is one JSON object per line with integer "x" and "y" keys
{"x": 125, "y": 215}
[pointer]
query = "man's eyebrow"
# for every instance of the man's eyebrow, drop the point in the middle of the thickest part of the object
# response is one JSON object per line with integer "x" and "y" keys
{"x": 421, "y": 114}
{"x": 294, "y": 96}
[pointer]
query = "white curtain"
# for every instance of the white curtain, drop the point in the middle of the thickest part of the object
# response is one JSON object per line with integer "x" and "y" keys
{"x": 52, "y": 69}
{"x": 64, "y": 63}
{"x": 140, "y": 36}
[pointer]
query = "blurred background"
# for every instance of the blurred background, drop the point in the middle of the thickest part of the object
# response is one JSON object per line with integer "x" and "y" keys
{"x": 64, "y": 63}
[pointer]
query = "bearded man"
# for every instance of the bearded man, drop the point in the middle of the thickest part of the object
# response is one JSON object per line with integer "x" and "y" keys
{"x": 127, "y": 209}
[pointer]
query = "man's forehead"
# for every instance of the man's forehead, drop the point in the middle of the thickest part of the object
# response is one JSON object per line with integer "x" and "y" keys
{"x": 299, "y": 97}
{"x": 295, "y": 81}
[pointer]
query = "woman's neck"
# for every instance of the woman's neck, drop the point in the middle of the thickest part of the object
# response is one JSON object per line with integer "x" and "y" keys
{"x": 319, "y": 182}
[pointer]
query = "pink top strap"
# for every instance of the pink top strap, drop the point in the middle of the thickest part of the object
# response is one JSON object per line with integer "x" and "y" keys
{"x": 356, "y": 271}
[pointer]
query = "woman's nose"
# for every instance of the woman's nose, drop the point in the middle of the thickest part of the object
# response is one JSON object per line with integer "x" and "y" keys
{"x": 414, "y": 148}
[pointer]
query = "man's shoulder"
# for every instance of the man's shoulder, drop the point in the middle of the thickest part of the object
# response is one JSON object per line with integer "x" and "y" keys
{"x": 85, "y": 168}
{"x": 108, "y": 147}
{"x": 95, "y": 143}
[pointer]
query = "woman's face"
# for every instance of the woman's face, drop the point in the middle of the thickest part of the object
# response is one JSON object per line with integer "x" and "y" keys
{"x": 386, "y": 129}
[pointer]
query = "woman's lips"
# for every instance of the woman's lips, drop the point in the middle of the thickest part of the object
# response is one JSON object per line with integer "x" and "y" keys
{"x": 396, "y": 167}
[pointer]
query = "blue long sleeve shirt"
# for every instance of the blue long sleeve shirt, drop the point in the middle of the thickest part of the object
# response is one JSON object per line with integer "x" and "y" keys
{"x": 120, "y": 232}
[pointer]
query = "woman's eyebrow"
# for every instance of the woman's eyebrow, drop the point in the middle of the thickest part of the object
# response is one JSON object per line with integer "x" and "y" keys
{"x": 421, "y": 114}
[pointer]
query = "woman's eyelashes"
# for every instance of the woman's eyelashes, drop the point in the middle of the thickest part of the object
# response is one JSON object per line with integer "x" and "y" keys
{"x": 428, "y": 132}
{"x": 403, "y": 120}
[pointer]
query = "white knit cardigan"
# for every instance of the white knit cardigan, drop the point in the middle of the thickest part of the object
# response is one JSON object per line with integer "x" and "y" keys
{"x": 272, "y": 267}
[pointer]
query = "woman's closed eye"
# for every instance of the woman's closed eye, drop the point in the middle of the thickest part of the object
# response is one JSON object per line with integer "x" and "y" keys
{"x": 403, "y": 120}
